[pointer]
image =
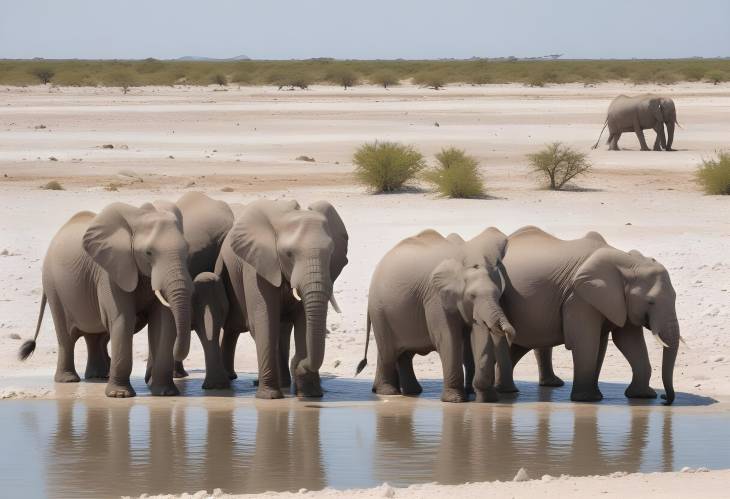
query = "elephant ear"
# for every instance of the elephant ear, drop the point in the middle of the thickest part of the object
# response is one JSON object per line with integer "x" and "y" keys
{"x": 253, "y": 238}
{"x": 338, "y": 232}
{"x": 490, "y": 245}
{"x": 599, "y": 283}
{"x": 655, "y": 106}
{"x": 449, "y": 281}
{"x": 168, "y": 206}
{"x": 108, "y": 241}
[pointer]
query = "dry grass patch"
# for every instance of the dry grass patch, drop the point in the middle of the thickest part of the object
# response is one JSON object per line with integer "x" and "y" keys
{"x": 53, "y": 185}
{"x": 714, "y": 174}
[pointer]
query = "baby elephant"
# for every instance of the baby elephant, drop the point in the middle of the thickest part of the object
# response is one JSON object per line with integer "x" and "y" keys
{"x": 434, "y": 293}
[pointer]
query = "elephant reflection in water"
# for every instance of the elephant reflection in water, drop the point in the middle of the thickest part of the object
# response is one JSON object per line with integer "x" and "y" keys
{"x": 489, "y": 443}
{"x": 96, "y": 450}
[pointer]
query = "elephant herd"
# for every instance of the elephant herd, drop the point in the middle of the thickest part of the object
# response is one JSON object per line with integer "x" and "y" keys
{"x": 269, "y": 269}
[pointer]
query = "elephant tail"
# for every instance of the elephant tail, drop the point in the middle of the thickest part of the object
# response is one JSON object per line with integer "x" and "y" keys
{"x": 28, "y": 346}
{"x": 364, "y": 361}
{"x": 595, "y": 146}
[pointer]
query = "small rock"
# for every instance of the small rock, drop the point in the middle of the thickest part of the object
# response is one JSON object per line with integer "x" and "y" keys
{"x": 123, "y": 146}
{"x": 227, "y": 189}
{"x": 190, "y": 184}
{"x": 337, "y": 362}
{"x": 436, "y": 124}
{"x": 702, "y": 469}
{"x": 687, "y": 469}
{"x": 5, "y": 252}
{"x": 521, "y": 476}
{"x": 308, "y": 159}
{"x": 53, "y": 158}
{"x": 14, "y": 336}
{"x": 628, "y": 223}
{"x": 718, "y": 358}
{"x": 108, "y": 146}
{"x": 40, "y": 127}
{"x": 171, "y": 156}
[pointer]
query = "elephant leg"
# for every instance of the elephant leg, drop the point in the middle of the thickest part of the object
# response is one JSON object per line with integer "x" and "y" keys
{"x": 216, "y": 376}
{"x": 660, "y": 141}
{"x": 97, "y": 363}
{"x": 640, "y": 134}
{"x": 409, "y": 385}
{"x": 630, "y": 341}
{"x": 601, "y": 356}
{"x": 446, "y": 332}
{"x": 582, "y": 329}
{"x": 162, "y": 327}
{"x": 284, "y": 346}
{"x": 178, "y": 370}
{"x": 613, "y": 141}
{"x": 544, "y": 357}
{"x": 468, "y": 361}
{"x": 65, "y": 366}
{"x": 505, "y": 382}
{"x": 482, "y": 347}
{"x": 228, "y": 351}
{"x": 265, "y": 327}
{"x": 386, "y": 372}
{"x": 121, "y": 330}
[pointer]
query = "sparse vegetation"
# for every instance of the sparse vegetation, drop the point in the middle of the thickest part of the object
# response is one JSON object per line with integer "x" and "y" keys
{"x": 219, "y": 79}
{"x": 457, "y": 175}
{"x": 386, "y": 166}
{"x": 303, "y": 73}
{"x": 113, "y": 186}
{"x": 714, "y": 174}
{"x": 558, "y": 163}
{"x": 717, "y": 77}
{"x": 53, "y": 185}
{"x": 123, "y": 78}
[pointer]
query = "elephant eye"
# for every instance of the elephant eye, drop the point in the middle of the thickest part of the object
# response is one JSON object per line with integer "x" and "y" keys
{"x": 148, "y": 252}
{"x": 476, "y": 266}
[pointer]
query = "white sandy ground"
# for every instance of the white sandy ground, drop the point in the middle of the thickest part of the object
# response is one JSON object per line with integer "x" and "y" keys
{"x": 181, "y": 139}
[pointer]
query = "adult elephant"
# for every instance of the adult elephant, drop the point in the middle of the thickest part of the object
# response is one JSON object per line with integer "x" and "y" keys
{"x": 639, "y": 113}
{"x": 279, "y": 264}
{"x": 578, "y": 291}
{"x": 205, "y": 223}
{"x": 432, "y": 292}
{"x": 112, "y": 273}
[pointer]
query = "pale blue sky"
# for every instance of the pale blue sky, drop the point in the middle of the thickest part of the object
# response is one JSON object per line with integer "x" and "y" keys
{"x": 387, "y": 29}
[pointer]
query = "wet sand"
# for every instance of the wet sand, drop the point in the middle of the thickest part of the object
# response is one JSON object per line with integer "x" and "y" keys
{"x": 248, "y": 140}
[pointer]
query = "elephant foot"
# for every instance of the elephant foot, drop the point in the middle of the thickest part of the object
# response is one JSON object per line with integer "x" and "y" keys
{"x": 669, "y": 149}
{"x": 96, "y": 372}
{"x": 179, "y": 370}
{"x": 232, "y": 375}
{"x": 268, "y": 393}
{"x": 216, "y": 382}
{"x": 453, "y": 395}
{"x": 551, "y": 380}
{"x": 166, "y": 390}
{"x": 411, "y": 388}
{"x": 66, "y": 377}
{"x": 643, "y": 392}
{"x": 488, "y": 395}
{"x": 119, "y": 390}
{"x": 308, "y": 385}
{"x": 592, "y": 395}
{"x": 507, "y": 387}
{"x": 386, "y": 389}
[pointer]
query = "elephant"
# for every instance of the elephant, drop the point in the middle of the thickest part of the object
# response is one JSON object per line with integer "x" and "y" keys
{"x": 206, "y": 223}
{"x": 576, "y": 292}
{"x": 638, "y": 113}
{"x": 432, "y": 292}
{"x": 279, "y": 263}
{"x": 110, "y": 274}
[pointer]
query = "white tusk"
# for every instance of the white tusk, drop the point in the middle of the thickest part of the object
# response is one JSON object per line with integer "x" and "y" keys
{"x": 162, "y": 300}
{"x": 683, "y": 342}
{"x": 502, "y": 282}
{"x": 296, "y": 295}
{"x": 659, "y": 340}
{"x": 335, "y": 306}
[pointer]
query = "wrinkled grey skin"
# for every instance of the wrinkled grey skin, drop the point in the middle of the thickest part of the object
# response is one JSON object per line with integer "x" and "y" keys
{"x": 435, "y": 293}
{"x": 206, "y": 223}
{"x": 273, "y": 249}
{"x": 99, "y": 279}
{"x": 576, "y": 292}
{"x": 639, "y": 113}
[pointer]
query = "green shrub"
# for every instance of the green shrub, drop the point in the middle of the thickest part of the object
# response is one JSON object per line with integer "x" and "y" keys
{"x": 666, "y": 78}
{"x": 123, "y": 78}
{"x": 344, "y": 77}
{"x": 385, "y": 79}
{"x": 53, "y": 185}
{"x": 558, "y": 164}
{"x": 386, "y": 166}
{"x": 714, "y": 174}
{"x": 717, "y": 77}
{"x": 431, "y": 79}
{"x": 290, "y": 80}
{"x": 43, "y": 73}
{"x": 242, "y": 77}
{"x": 219, "y": 79}
{"x": 457, "y": 175}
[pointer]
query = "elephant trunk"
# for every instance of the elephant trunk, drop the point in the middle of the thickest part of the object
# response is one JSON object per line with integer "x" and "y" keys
{"x": 316, "y": 289}
{"x": 177, "y": 289}
{"x": 494, "y": 318}
{"x": 669, "y": 335}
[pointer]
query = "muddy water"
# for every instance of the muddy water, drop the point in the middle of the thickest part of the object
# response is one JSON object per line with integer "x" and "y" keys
{"x": 91, "y": 446}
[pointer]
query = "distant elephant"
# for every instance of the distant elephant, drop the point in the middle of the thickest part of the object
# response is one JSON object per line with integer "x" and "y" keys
{"x": 110, "y": 274}
{"x": 206, "y": 223}
{"x": 576, "y": 292}
{"x": 435, "y": 293}
{"x": 279, "y": 264}
{"x": 638, "y": 113}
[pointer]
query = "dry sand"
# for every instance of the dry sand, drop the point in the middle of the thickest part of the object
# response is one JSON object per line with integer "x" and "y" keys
{"x": 171, "y": 140}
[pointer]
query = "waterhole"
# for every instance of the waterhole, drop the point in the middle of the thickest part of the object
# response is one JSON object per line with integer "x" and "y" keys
{"x": 81, "y": 444}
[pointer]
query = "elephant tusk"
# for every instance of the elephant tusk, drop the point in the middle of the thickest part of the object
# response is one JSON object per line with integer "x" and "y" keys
{"x": 683, "y": 342}
{"x": 335, "y": 306}
{"x": 296, "y": 295}
{"x": 502, "y": 281}
{"x": 660, "y": 341}
{"x": 162, "y": 300}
